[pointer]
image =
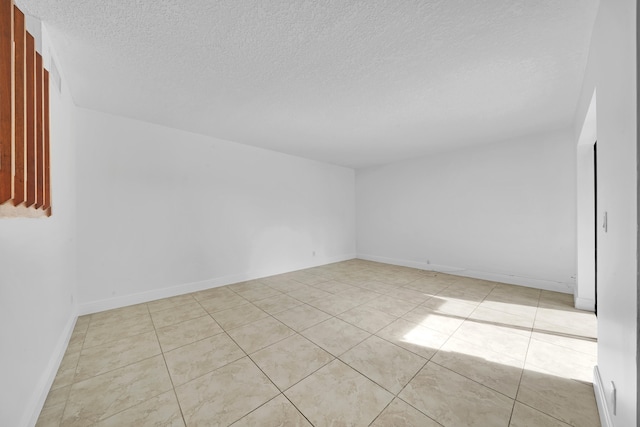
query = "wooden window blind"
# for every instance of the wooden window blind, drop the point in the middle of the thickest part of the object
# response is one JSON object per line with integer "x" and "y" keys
{"x": 25, "y": 175}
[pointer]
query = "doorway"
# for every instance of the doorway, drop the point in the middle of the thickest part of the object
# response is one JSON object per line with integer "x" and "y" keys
{"x": 595, "y": 225}
{"x": 587, "y": 229}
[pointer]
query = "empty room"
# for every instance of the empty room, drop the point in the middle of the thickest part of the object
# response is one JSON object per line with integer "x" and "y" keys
{"x": 319, "y": 213}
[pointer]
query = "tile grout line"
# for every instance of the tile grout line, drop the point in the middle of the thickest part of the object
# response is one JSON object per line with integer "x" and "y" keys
{"x": 524, "y": 362}
{"x": 66, "y": 401}
{"x": 337, "y": 275}
{"x": 133, "y": 363}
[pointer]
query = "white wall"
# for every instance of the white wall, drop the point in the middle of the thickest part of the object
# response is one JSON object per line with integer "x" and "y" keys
{"x": 504, "y": 212}
{"x": 38, "y": 280}
{"x": 612, "y": 71}
{"x": 163, "y": 211}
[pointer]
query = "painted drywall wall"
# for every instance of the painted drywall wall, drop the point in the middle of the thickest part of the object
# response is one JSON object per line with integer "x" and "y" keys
{"x": 164, "y": 211}
{"x": 504, "y": 211}
{"x": 612, "y": 72}
{"x": 38, "y": 279}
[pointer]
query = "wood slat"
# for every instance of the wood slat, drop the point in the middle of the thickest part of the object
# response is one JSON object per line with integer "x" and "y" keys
{"x": 39, "y": 134}
{"x": 47, "y": 158}
{"x": 30, "y": 168}
{"x": 6, "y": 100}
{"x": 19, "y": 107}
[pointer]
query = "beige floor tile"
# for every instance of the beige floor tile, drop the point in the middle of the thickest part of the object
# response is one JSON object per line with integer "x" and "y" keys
{"x": 302, "y": 317}
{"x": 401, "y": 414}
{"x": 238, "y": 316}
{"x": 290, "y": 360}
{"x": 119, "y": 314}
{"x": 260, "y": 334}
{"x": 307, "y": 278}
{"x": 161, "y": 410}
{"x": 497, "y": 371}
{"x": 269, "y": 280}
{"x": 570, "y": 322}
{"x": 411, "y": 295}
{"x": 392, "y": 305}
{"x": 322, "y": 271}
{"x": 367, "y": 318}
{"x": 105, "y": 395}
{"x": 428, "y": 285}
{"x": 76, "y": 341}
{"x": 284, "y": 285}
{"x": 278, "y": 303}
{"x": 259, "y": 293}
{"x": 225, "y": 395}
{"x": 561, "y": 361}
{"x": 171, "y": 316}
{"x": 108, "y": 331}
{"x": 524, "y": 310}
{"x": 387, "y": 364}
{"x": 107, "y": 357}
{"x": 66, "y": 371}
{"x": 516, "y": 290}
{"x": 514, "y": 295}
{"x": 511, "y": 341}
{"x": 276, "y": 412}
{"x": 335, "y": 336}
{"x": 445, "y": 323}
{"x": 452, "y": 308}
{"x": 374, "y": 285}
{"x": 249, "y": 285}
{"x": 82, "y": 323}
{"x": 212, "y": 293}
{"x": 461, "y": 294}
{"x": 569, "y": 330}
{"x": 500, "y": 317}
{"x": 333, "y": 286}
{"x": 413, "y": 337}
{"x": 524, "y": 416}
{"x": 484, "y": 357}
{"x": 555, "y": 299}
{"x": 173, "y": 302}
{"x": 441, "y": 278}
{"x": 223, "y": 302}
{"x": 336, "y": 304}
{"x": 583, "y": 344}
{"x": 393, "y": 278}
{"x": 57, "y": 397}
{"x": 360, "y": 294}
{"x": 338, "y": 395}
{"x": 198, "y": 358}
{"x": 308, "y": 294}
{"x": 476, "y": 285}
{"x": 453, "y": 400}
{"x": 568, "y": 400}
{"x": 51, "y": 416}
{"x": 561, "y": 315}
{"x": 186, "y": 332}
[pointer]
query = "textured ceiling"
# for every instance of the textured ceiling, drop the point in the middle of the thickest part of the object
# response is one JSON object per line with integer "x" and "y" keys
{"x": 354, "y": 83}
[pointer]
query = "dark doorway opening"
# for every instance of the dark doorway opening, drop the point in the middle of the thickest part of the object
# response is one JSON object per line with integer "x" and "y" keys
{"x": 595, "y": 222}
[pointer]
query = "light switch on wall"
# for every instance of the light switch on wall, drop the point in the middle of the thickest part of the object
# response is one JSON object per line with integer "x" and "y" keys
{"x": 605, "y": 225}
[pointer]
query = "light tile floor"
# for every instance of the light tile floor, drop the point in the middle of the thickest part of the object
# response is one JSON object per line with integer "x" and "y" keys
{"x": 354, "y": 343}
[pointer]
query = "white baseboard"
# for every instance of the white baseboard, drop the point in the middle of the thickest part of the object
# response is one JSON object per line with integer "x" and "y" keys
{"x": 154, "y": 294}
{"x": 511, "y": 279}
{"x": 185, "y": 288}
{"x": 601, "y": 399}
{"x": 584, "y": 304}
{"x": 35, "y": 404}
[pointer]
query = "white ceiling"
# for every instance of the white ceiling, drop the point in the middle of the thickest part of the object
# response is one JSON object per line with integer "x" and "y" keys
{"x": 354, "y": 83}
